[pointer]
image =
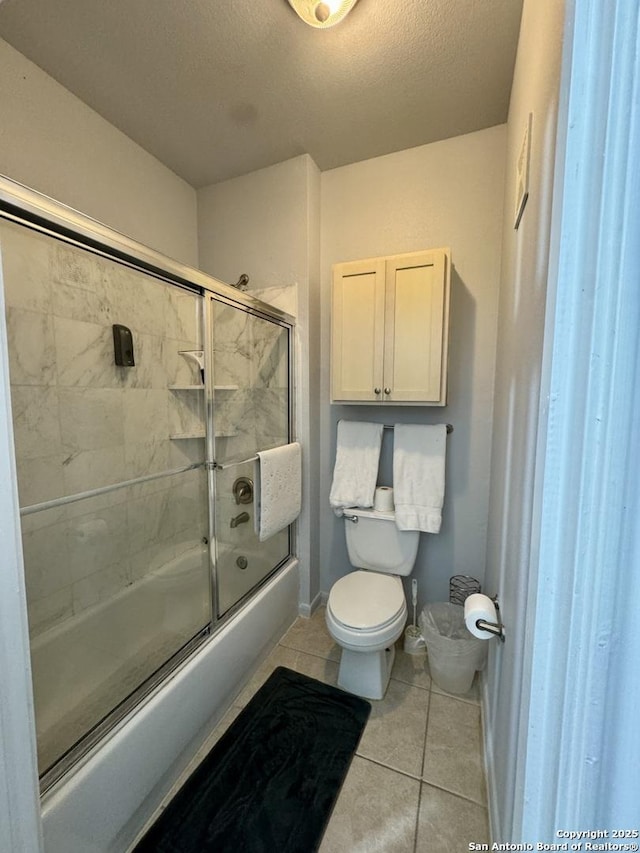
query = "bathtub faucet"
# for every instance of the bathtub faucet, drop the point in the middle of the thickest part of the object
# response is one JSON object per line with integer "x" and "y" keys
{"x": 240, "y": 519}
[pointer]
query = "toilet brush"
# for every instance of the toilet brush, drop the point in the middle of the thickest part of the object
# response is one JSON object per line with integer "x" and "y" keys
{"x": 413, "y": 640}
{"x": 414, "y": 600}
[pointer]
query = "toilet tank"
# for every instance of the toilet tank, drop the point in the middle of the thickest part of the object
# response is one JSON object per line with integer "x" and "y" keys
{"x": 374, "y": 542}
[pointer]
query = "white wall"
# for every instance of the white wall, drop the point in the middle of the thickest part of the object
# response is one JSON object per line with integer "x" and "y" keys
{"x": 53, "y": 143}
{"x": 525, "y": 262}
{"x": 256, "y": 224}
{"x": 447, "y": 194}
{"x": 266, "y": 224}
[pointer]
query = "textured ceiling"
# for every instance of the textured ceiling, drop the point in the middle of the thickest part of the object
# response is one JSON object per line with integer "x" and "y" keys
{"x": 218, "y": 88}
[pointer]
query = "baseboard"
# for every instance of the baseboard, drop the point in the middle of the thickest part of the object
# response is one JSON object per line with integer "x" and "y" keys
{"x": 308, "y": 610}
{"x": 489, "y": 764}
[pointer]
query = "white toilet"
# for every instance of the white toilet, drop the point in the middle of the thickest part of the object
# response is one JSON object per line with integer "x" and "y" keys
{"x": 366, "y": 610}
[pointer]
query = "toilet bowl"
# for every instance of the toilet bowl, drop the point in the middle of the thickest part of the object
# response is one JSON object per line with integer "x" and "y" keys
{"x": 366, "y": 609}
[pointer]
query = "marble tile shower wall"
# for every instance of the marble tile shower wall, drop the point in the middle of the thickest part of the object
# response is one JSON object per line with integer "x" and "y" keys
{"x": 252, "y": 376}
{"x": 81, "y": 422}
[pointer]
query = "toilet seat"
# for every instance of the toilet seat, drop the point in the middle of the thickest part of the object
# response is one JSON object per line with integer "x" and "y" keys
{"x": 376, "y": 602}
{"x": 366, "y": 601}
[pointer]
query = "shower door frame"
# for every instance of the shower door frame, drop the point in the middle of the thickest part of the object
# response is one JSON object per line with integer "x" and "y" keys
{"x": 287, "y": 322}
{"x": 37, "y": 212}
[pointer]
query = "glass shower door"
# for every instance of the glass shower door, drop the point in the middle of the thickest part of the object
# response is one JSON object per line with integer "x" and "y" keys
{"x": 251, "y": 362}
{"x": 111, "y": 478}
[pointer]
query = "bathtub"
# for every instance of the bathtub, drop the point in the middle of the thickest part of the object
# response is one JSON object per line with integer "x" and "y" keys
{"x": 105, "y": 801}
{"x": 71, "y": 661}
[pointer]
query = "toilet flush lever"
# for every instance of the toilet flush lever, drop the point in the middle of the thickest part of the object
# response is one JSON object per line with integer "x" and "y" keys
{"x": 353, "y": 518}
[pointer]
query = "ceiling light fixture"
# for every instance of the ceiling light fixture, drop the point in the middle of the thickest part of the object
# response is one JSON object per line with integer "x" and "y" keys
{"x": 322, "y": 13}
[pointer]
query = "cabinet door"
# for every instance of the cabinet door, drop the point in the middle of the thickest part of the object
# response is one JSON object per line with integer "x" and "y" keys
{"x": 357, "y": 332}
{"x": 416, "y": 323}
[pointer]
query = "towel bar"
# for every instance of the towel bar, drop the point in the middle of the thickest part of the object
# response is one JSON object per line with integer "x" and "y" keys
{"x": 222, "y": 465}
{"x": 449, "y": 427}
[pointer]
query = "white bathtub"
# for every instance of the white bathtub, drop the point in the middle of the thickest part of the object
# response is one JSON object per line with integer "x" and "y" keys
{"x": 71, "y": 661}
{"x": 109, "y": 797}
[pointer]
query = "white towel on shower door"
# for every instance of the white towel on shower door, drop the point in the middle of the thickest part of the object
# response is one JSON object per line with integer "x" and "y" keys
{"x": 418, "y": 476}
{"x": 355, "y": 472}
{"x": 278, "y": 492}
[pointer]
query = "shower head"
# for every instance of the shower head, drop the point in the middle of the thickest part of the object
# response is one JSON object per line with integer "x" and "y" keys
{"x": 242, "y": 282}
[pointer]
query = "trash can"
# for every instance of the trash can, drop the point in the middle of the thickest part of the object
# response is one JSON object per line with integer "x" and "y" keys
{"x": 454, "y": 653}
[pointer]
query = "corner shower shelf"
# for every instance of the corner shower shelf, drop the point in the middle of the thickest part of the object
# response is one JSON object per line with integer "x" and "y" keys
{"x": 180, "y": 436}
{"x": 201, "y": 387}
{"x": 186, "y": 387}
{"x": 183, "y": 436}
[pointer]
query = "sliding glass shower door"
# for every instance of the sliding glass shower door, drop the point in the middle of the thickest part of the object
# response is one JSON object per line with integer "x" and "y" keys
{"x": 139, "y": 405}
{"x": 111, "y": 478}
{"x": 252, "y": 368}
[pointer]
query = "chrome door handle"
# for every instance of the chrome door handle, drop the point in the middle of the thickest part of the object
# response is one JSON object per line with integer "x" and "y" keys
{"x": 376, "y": 390}
{"x": 387, "y": 390}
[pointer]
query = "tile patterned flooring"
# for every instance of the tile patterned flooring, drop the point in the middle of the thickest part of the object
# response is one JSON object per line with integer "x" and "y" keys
{"x": 416, "y": 783}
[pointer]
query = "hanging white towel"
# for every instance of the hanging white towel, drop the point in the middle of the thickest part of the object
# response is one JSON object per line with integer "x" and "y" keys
{"x": 278, "y": 491}
{"x": 418, "y": 476}
{"x": 356, "y": 469}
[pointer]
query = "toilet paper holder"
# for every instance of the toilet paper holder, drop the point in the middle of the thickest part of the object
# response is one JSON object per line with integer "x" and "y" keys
{"x": 495, "y": 628}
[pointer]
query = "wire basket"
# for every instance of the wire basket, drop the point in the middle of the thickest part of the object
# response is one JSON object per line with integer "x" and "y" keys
{"x": 462, "y": 586}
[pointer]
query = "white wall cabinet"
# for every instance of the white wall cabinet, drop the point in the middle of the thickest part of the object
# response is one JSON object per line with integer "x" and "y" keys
{"x": 389, "y": 333}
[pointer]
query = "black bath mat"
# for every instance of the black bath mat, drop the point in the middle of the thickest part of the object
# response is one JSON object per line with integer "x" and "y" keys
{"x": 269, "y": 784}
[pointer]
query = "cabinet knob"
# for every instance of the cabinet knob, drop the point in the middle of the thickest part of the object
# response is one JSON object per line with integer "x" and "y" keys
{"x": 387, "y": 390}
{"x": 376, "y": 390}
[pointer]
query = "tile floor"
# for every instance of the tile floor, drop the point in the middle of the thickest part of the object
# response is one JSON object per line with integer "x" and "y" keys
{"x": 416, "y": 783}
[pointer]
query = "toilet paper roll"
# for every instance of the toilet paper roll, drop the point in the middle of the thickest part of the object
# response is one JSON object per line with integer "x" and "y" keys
{"x": 383, "y": 499}
{"x": 478, "y": 606}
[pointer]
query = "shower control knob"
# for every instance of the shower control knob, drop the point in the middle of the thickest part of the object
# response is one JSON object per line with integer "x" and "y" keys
{"x": 377, "y": 390}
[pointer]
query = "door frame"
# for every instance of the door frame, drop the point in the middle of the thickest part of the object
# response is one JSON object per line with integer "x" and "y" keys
{"x": 580, "y": 738}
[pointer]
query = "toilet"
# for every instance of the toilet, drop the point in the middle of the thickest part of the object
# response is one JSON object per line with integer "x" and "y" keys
{"x": 366, "y": 609}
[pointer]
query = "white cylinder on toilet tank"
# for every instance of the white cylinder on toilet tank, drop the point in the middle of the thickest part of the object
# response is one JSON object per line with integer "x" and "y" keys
{"x": 374, "y": 542}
